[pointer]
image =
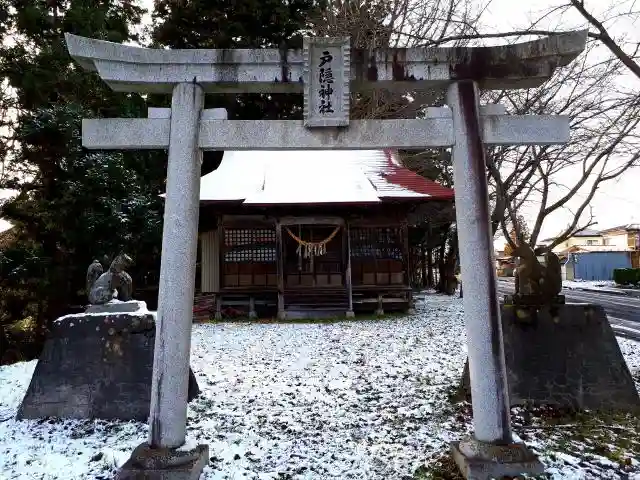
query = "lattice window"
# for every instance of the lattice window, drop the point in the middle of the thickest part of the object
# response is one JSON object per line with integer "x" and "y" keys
{"x": 249, "y": 245}
{"x": 381, "y": 243}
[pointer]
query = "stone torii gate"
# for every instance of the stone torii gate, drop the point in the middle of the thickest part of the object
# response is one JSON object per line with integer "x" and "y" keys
{"x": 326, "y": 70}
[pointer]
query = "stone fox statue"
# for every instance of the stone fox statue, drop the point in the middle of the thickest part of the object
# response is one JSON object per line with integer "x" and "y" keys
{"x": 552, "y": 285}
{"x": 529, "y": 272}
{"x": 114, "y": 283}
{"x": 536, "y": 279}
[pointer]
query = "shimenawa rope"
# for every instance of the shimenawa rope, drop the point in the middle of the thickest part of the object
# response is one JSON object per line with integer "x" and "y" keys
{"x": 312, "y": 249}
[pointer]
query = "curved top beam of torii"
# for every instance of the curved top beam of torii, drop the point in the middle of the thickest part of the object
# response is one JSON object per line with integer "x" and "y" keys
{"x": 134, "y": 69}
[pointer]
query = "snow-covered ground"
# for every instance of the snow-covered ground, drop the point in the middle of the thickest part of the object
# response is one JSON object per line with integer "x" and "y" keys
{"x": 589, "y": 284}
{"x": 360, "y": 400}
{"x": 578, "y": 284}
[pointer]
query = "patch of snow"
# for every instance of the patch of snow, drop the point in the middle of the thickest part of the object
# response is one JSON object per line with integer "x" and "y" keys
{"x": 597, "y": 285}
{"x": 322, "y": 178}
{"x": 189, "y": 444}
{"x": 14, "y": 380}
{"x": 631, "y": 351}
{"x": 565, "y": 473}
{"x": 353, "y": 399}
{"x": 5, "y": 225}
{"x": 571, "y": 460}
{"x": 262, "y": 177}
{"x": 140, "y": 312}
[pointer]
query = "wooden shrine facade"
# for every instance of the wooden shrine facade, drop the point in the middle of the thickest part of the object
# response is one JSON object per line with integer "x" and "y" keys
{"x": 311, "y": 258}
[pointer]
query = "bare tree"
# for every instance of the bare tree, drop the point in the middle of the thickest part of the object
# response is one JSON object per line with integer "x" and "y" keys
{"x": 374, "y": 24}
{"x": 602, "y": 34}
{"x": 604, "y": 121}
{"x": 604, "y": 145}
{"x": 598, "y": 30}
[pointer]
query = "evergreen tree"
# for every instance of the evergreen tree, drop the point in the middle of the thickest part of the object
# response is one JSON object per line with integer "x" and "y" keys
{"x": 73, "y": 204}
{"x": 238, "y": 24}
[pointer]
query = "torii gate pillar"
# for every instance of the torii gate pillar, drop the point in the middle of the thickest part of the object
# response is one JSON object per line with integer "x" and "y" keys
{"x": 491, "y": 453}
{"x": 491, "y": 417}
{"x": 168, "y": 415}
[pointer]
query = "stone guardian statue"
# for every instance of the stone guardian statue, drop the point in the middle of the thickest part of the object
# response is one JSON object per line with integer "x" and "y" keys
{"x": 115, "y": 283}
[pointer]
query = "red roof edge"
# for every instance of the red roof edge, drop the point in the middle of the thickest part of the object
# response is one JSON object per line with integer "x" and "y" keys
{"x": 405, "y": 178}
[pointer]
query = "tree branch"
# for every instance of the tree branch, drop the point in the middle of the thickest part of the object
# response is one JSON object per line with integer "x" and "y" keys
{"x": 480, "y": 36}
{"x": 606, "y": 39}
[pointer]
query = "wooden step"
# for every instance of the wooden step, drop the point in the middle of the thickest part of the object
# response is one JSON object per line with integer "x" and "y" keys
{"x": 310, "y": 313}
{"x": 324, "y": 301}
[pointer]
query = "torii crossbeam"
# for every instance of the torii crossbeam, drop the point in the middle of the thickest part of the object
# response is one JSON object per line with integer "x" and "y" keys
{"x": 327, "y": 70}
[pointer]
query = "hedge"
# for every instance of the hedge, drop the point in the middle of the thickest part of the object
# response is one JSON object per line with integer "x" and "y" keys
{"x": 626, "y": 276}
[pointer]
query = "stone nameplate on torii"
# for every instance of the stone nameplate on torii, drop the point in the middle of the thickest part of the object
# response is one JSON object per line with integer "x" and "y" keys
{"x": 327, "y": 71}
{"x": 327, "y": 66}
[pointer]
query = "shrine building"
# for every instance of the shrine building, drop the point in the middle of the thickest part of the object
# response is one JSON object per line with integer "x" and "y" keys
{"x": 308, "y": 233}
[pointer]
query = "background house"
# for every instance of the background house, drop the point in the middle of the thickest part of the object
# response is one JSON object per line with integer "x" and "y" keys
{"x": 594, "y": 265}
{"x": 585, "y": 238}
{"x": 624, "y": 237}
{"x": 593, "y": 255}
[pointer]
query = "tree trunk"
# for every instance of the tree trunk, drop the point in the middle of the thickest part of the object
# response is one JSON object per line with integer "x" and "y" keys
{"x": 442, "y": 268}
{"x": 429, "y": 281}
{"x": 4, "y": 345}
{"x": 449, "y": 280}
{"x": 423, "y": 265}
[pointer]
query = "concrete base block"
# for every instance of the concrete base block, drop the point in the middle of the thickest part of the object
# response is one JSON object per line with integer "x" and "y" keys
{"x": 379, "y": 312}
{"x": 96, "y": 365}
{"x": 567, "y": 356}
{"x": 148, "y": 463}
{"x": 350, "y": 314}
{"x": 484, "y": 461}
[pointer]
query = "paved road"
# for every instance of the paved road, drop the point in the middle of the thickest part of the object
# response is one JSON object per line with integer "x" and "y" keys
{"x": 623, "y": 311}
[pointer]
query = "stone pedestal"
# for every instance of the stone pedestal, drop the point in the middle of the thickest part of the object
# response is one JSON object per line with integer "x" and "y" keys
{"x": 148, "y": 463}
{"x": 566, "y": 356}
{"x": 96, "y": 365}
{"x": 484, "y": 461}
{"x": 116, "y": 306}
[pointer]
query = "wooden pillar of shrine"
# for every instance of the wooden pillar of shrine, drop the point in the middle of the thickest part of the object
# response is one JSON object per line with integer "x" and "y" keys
{"x": 280, "y": 270}
{"x": 347, "y": 276}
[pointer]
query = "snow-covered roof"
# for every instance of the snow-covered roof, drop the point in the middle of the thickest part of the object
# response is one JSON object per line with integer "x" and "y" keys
{"x": 315, "y": 176}
{"x": 588, "y": 232}
{"x": 623, "y": 228}
{"x": 592, "y": 248}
